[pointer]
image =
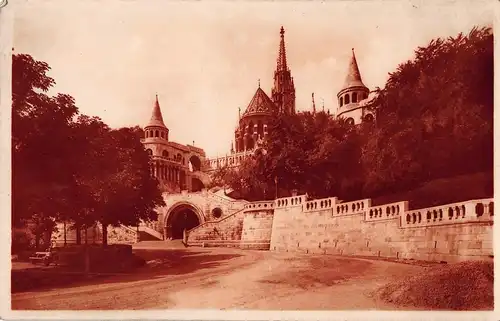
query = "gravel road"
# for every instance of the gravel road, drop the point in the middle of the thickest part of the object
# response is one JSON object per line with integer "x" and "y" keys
{"x": 227, "y": 279}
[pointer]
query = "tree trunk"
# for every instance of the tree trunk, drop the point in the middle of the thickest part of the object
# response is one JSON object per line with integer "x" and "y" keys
{"x": 65, "y": 241}
{"x": 37, "y": 240}
{"x": 78, "y": 231}
{"x": 104, "y": 234}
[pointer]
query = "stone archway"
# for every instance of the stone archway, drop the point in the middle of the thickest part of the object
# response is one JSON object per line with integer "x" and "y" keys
{"x": 194, "y": 163}
{"x": 181, "y": 217}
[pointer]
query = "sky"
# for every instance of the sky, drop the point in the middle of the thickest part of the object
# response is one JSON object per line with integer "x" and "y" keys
{"x": 204, "y": 58}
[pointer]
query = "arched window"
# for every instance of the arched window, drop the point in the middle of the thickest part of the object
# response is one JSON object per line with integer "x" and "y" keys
{"x": 350, "y": 121}
{"x": 354, "y": 97}
{"x": 164, "y": 153}
{"x": 368, "y": 118}
{"x": 341, "y": 101}
{"x": 250, "y": 128}
{"x": 260, "y": 128}
{"x": 157, "y": 134}
{"x": 162, "y": 135}
{"x": 149, "y": 151}
{"x": 347, "y": 101}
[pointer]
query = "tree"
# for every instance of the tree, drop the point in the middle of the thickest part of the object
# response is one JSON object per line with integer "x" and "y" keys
{"x": 41, "y": 142}
{"x": 436, "y": 115}
{"x": 124, "y": 190}
{"x": 69, "y": 168}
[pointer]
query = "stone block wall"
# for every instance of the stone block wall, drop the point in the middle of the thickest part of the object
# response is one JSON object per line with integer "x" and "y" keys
{"x": 93, "y": 235}
{"x": 451, "y": 233}
{"x": 257, "y": 226}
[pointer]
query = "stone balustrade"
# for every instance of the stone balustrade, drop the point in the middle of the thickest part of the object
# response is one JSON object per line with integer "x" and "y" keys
{"x": 349, "y": 208}
{"x": 386, "y": 211}
{"x": 290, "y": 201}
{"x": 462, "y": 212}
{"x": 259, "y": 206}
{"x": 320, "y": 204}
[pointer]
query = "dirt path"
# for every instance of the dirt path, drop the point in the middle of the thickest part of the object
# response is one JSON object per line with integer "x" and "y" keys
{"x": 230, "y": 279}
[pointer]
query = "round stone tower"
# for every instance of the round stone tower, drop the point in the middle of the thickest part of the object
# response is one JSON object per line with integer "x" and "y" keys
{"x": 353, "y": 91}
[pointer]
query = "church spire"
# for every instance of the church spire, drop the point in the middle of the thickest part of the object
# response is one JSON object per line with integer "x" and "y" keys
{"x": 156, "y": 116}
{"x": 281, "y": 65}
{"x": 283, "y": 91}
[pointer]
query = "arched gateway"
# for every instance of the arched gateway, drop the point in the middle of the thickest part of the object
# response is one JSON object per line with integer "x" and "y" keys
{"x": 182, "y": 216}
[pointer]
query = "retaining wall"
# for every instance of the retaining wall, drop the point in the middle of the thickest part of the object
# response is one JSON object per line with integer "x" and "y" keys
{"x": 451, "y": 233}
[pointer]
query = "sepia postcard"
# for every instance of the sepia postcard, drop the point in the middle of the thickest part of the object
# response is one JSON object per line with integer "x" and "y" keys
{"x": 237, "y": 160}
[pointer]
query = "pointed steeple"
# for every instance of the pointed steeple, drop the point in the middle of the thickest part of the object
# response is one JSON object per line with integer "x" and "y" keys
{"x": 283, "y": 91}
{"x": 281, "y": 65}
{"x": 156, "y": 117}
{"x": 353, "y": 78}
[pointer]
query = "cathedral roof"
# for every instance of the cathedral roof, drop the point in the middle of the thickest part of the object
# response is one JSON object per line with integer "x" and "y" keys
{"x": 260, "y": 104}
{"x": 353, "y": 78}
{"x": 156, "y": 117}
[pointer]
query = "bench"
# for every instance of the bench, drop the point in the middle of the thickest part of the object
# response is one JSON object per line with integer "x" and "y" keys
{"x": 45, "y": 257}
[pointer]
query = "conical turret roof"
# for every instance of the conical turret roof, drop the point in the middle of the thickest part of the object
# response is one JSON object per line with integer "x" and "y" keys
{"x": 260, "y": 104}
{"x": 156, "y": 117}
{"x": 353, "y": 78}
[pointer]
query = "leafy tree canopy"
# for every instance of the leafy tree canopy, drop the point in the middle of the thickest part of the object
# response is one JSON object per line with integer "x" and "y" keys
{"x": 72, "y": 167}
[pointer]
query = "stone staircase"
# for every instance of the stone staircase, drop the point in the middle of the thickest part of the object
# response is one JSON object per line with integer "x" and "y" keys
{"x": 224, "y": 232}
{"x": 147, "y": 232}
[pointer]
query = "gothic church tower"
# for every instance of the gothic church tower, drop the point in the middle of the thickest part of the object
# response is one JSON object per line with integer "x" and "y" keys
{"x": 283, "y": 91}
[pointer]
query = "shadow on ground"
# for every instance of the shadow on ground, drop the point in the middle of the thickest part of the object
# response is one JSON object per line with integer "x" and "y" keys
{"x": 306, "y": 273}
{"x": 159, "y": 263}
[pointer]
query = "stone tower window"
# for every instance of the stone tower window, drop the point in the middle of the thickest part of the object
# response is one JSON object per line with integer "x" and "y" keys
{"x": 354, "y": 97}
{"x": 149, "y": 151}
{"x": 162, "y": 135}
{"x": 157, "y": 134}
{"x": 347, "y": 101}
{"x": 341, "y": 101}
{"x": 217, "y": 212}
{"x": 164, "y": 153}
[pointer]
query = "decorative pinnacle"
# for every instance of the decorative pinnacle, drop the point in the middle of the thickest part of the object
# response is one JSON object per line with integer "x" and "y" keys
{"x": 259, "y": 82}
